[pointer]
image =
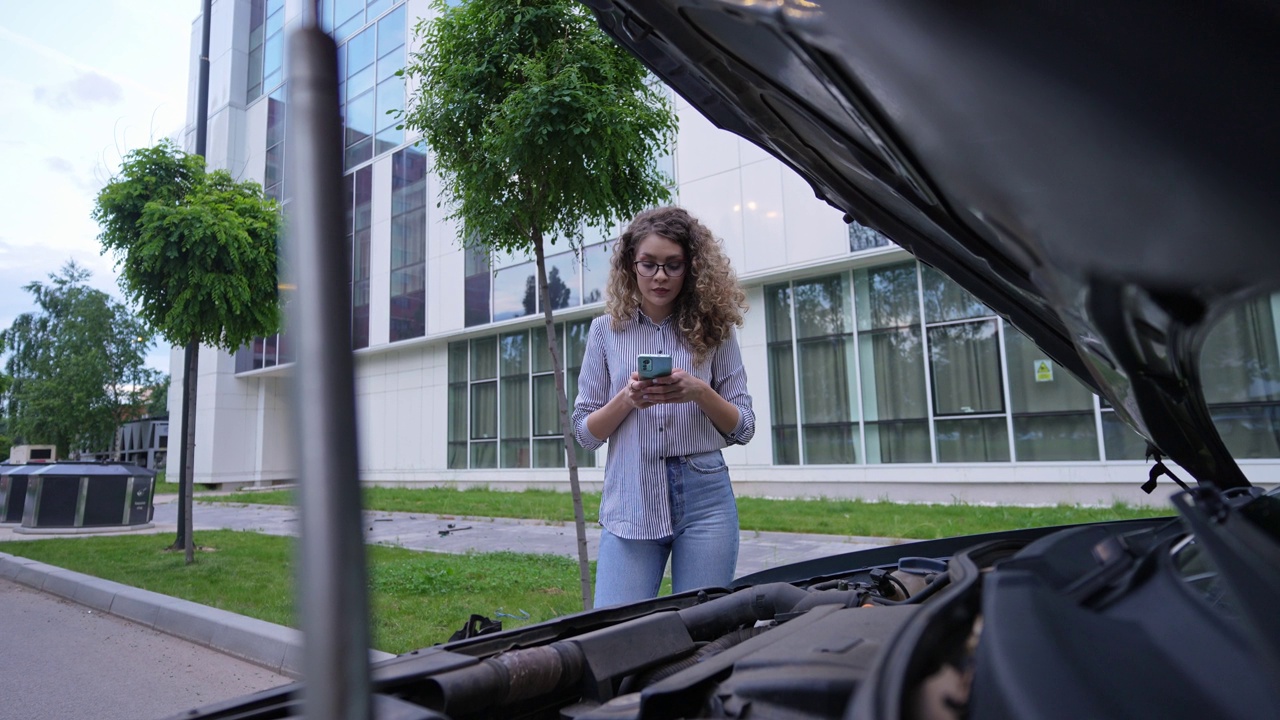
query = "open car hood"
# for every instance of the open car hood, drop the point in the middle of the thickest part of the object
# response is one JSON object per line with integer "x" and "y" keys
{"x": 1102, "y": 176}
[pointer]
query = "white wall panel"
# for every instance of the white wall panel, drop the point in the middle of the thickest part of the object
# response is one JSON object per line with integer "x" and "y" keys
{"x": 717, "y": 202}
{"x": 702, "y": 149}
{"x": 814, "y": 229}
{"x": 762, "y": 217}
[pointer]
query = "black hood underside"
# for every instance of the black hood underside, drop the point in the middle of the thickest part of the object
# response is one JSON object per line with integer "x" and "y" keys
{"x": 1101, "y": 175}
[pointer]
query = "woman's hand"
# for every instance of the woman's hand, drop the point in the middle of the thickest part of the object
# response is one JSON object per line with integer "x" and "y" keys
{"x": 678, "y": 387}
{"x": 636, "y": 390}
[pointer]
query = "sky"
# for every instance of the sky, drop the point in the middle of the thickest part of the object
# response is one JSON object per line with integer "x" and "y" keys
{"x": 83, "y": 82}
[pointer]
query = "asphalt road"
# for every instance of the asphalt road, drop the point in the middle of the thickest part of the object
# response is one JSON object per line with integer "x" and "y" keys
{"x": 61, "y": 661}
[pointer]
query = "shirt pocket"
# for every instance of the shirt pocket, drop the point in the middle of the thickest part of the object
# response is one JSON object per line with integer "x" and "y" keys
{"x": 707, "y": 463}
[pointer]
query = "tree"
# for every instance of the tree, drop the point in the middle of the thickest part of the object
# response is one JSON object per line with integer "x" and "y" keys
{"x": 73, "y": 364}
{"x": 540, "y": 126}
{"x": 6, "y": 442}
{"x": 557, "y": 291}
{"x": 157, "y": 397}
{"x": 196, "y": 251}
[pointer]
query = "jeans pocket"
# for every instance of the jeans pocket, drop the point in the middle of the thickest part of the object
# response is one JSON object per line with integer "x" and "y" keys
{"x": 707, "y": 463}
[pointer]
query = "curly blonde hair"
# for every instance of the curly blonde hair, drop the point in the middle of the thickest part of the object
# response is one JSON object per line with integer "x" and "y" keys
{"x": 710, "y": 302}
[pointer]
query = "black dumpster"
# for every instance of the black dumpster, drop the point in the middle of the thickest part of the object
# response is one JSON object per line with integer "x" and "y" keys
{"x": 78, "y": 495}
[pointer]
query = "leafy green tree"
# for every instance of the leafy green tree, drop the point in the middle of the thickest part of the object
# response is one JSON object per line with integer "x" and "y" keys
{"x": 540, "y": 127}
{"x": 6, "y": 443}
{"x": 73, "y": 364}
{"x": 196, "y": 251}
{"x": 157, "y": 397}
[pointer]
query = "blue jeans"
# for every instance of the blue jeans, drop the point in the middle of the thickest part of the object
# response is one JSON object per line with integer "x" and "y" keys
{"x": 703, "y": 547}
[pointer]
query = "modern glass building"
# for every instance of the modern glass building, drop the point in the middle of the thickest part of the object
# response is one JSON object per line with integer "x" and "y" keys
{"x": 873, "y": 375}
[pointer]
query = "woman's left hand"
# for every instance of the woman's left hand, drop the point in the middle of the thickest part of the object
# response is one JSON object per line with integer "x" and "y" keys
{"x": 678, "y": 387}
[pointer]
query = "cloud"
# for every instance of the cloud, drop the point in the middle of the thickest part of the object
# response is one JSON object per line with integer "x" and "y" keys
{"x": 86, "y": 90}
{"x": 59, "y": 165}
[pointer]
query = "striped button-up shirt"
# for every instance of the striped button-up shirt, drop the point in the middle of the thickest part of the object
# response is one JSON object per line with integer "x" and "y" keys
{"x": 635, "y": 504}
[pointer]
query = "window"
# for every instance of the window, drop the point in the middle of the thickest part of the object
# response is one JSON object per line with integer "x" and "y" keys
{"x": 891, "y": 357}
{"x": 1240, "y": 366}
{"x": 502, "y": 401}
{"x": 477, "y": 284}
{"x": 359, "y": 228}
{"x": 571, "y": 277}
{"x": 782, "y": 375}
{"x": 273, "y": 176}
{"x": 1052, "y": 411}
{"x": 970, "y": 424}
{"x": 266, "y": 47}
{"x": 408, "y": 244}
{"x": 862, "y": 238}
{"x": 821, "y": 337}
{"x": 368, "y": 86}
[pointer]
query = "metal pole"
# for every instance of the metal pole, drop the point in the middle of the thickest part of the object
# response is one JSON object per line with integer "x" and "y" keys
{"x": 332, "y": 584}
{"x": 191, "y": 353}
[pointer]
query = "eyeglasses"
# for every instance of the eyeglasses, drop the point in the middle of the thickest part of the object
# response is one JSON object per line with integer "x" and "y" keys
{"x": 675, "y": 268}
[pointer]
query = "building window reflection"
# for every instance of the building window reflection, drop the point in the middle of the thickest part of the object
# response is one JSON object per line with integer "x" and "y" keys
{"x": 359, "y": 188}
{"x": 510, "y": 288}
{"x": 502, "y": 403}
{"x": 408, "y": 244}
{"x": 266, "y": 47}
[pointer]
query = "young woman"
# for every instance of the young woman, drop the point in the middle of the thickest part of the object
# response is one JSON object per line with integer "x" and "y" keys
{"x": 666, "y": 487}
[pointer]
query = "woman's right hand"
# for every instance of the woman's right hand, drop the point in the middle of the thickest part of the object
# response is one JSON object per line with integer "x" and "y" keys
{"x": 634, "y": 392}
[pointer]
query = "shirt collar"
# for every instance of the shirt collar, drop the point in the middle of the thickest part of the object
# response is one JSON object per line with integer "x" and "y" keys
{"x": 642, "y": 318}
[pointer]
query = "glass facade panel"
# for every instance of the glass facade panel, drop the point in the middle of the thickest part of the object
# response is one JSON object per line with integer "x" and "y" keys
{"x": 595, "y": 272}
{"x": 266, "y": 47}
{"x": 408, "y": 244}
{"x": 964, "y": 361}
{"x": 519, "y": 410}
{"x": 777, "y": 304}
{"x": 888, "y": 297}
{"x": 862, "y": 238}
{"x": 361, "y": 218}
{"x": 484, "y": 358}
{"x": 1061, "y": 436}
{"x": 1240, "y": 367}
{"x": 782, "y": 397}
{"x": 1121, "y": 442}
{"x": 973, "y": 440}
{"x": 944, "y": 300}
{"x": 513, "y": 292}
{"x": 484, "y": 411}
{"x": 514, "y": 362}
{"x": 476, "y": 284}
{"x": 562, "y": 282}
{"x": 546, "y": 414}
{"x": 823, "y": 307}
{"x": 484, "y": 455}
{"x": 894, "y": 404}
{"x": 891, "y": 357}
{"x": 1052, "y": 411}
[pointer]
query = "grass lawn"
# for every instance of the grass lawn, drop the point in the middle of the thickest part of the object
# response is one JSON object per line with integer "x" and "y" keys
{"x": 833, "y": 517}
{"x": 418, "y": 598}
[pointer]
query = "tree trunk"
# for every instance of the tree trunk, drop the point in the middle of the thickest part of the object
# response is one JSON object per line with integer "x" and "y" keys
{"x": 187, "y": 450}
{"x": 570, "y": 455}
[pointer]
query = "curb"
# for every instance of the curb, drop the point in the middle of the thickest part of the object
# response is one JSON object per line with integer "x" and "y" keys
{"x": 275, "y": 647}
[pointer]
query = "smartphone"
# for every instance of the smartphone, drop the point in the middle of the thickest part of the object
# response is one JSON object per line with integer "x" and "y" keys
{"x": 653, "y": 366}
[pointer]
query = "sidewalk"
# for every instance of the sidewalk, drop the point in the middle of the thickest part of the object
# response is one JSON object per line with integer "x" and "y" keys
{"x": 278, "y": 648}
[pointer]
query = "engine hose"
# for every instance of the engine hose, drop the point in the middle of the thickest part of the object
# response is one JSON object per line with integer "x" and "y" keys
{"x": 713, "y": 619}
{"x": 504, "y": 679}
{"x": 715, "y": 647}
{"x": 929, "y": 591}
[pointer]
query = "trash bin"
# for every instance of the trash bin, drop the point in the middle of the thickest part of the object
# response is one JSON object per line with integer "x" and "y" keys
{"x": 71, "y": 496}
{"x": 13, "y": 494}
